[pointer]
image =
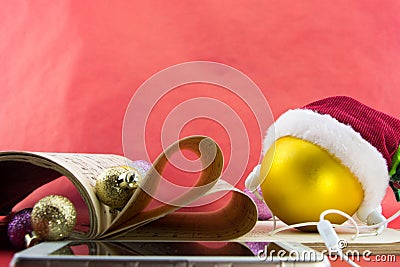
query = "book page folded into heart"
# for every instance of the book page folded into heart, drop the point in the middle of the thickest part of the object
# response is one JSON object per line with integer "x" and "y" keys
{"x": 140, "y": 218}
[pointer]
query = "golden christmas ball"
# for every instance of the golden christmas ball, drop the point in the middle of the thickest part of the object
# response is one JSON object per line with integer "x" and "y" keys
{"x": 299, "y": 180}
{"x": 115, "y": 185}
{"x": 53, "y": 217}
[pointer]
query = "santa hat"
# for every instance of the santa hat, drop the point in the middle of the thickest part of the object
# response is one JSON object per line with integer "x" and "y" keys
{"x": 363, "y": 139}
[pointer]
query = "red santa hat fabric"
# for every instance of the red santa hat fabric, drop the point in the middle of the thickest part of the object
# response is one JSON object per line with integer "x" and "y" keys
{"x": 379, "y": 129}
{"x": 363, "y": 139}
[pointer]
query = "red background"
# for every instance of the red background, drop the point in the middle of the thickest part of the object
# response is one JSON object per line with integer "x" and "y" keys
{"x": 69, "y": 68}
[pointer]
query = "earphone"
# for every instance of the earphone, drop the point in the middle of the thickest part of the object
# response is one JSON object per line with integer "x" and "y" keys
{"x": 252, "y": 182}
{"x": 375, "y": 220}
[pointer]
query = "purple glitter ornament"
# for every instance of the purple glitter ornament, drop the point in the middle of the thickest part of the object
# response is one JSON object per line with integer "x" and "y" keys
{"x": 18, "y": 227}
{"x": 263, "y": 211}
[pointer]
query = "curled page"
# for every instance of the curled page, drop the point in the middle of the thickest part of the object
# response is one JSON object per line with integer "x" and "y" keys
{"x": 23, "y": 172}
{"x": 236, "y": 218}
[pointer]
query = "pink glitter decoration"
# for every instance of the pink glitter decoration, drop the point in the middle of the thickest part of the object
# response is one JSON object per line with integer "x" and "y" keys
{"x": 256, "y": 247}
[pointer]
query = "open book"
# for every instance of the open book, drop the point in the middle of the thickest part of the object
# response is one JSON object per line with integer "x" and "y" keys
{"x": 23, "y": 172}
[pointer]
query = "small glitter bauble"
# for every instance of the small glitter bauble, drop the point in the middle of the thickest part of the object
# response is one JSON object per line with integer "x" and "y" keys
{"x": 18, "y": 227}
{"x": 53, "y": 217}
{"x": 115, "y": 186}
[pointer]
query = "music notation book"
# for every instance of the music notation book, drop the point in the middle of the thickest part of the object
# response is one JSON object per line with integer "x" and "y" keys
{"x": 23, "y": 172}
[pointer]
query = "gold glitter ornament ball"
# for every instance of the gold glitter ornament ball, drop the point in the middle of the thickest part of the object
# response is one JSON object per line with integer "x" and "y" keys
{"x": 53, "y": 217}
{"x": 115, "y": 185}
{"x": 302, "y": 180}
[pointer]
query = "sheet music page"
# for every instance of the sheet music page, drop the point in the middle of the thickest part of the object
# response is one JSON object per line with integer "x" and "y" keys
{"x": 235, "y": 219}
